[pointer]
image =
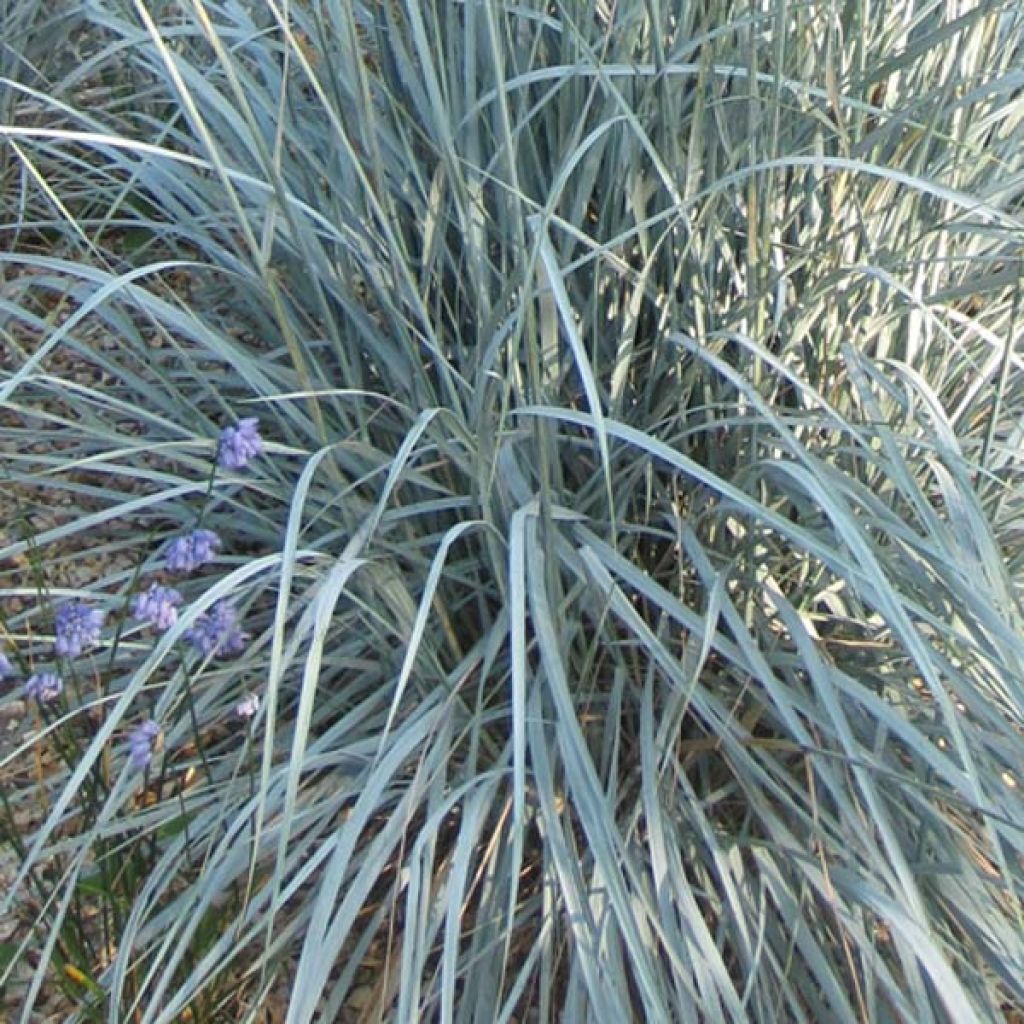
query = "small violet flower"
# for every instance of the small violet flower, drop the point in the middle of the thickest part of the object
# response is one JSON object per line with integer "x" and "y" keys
{"x": 217, "y": 631}
{"x": 239, "y": 444}
{"x": 247, "y": 707}
{"x": 77, "y": 628}
{"x": 158, "y": 606}
{"x": 142, "y": 742}
{"x": 191, "y": 551}
{"x": 44, "y": 686}
{"x": 6, "y": 668}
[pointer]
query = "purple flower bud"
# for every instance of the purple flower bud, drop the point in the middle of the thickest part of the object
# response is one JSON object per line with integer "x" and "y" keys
{"x": 247, "y": 707}
{"x": 217, "y": 631}
{"x": 239, "y": 444}
{"x": 142, "y": 742}
{"x": 158, "y": 606}
{"x": 6, "y": 668}
{"x": 44, "y": 686}
{"x": 77, "y": 628}
{"x": 191, "y": 551}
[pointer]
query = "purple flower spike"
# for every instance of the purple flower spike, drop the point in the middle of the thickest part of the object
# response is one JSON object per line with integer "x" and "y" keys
{"x": 158, "y": 606}
{"x": 142, "y": 742}
{"x": 191, "y": 551}
{"x": 77, "y": 628}
{"x": 44, "y": 686}
{"x": 217, "y": 631}
{"x": 238, "y": 445}
{"x": 6, "y": 668}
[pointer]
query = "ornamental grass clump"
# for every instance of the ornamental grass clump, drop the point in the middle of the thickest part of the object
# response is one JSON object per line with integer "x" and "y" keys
{"x": 627, "y": 557}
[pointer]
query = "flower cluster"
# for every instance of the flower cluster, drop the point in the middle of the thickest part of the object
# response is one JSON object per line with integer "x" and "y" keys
{"x": 217, "y": 631}
{"x": 185, "y": 554}
{"x": 238, "y": 445}
{"x": 142, "y": 743}
{"x": 247, "y": 707}
{"x": 44, "y": 686}
{"x": 158, "y": 606}
{"x": 77, "y": 628}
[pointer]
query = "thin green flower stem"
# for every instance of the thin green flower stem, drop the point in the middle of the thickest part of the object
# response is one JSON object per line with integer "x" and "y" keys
{"x": 129, "y": 592}
{"x": 206, "y": 497}
{"x": 184, "y": 819}
{"x": 194, "y": 719}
